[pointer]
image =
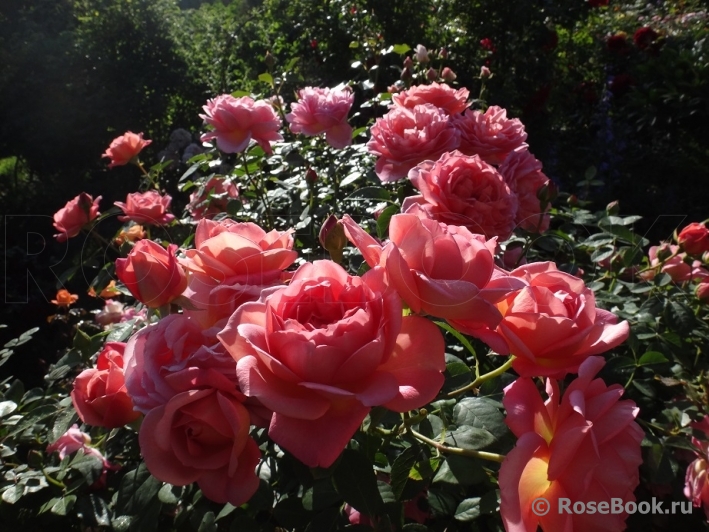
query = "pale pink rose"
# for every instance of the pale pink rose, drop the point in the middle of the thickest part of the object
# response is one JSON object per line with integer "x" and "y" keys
{"x": 73, "y": 440}
{"x": 552, "y": 325}
{"x": 421, "y": 53}
{"x": 320, "y": 111}
{"x": 324, "y": 350}
{"x": 675, "y": 264}
{"x": 441, "y": 95}
{"x": 584, "y": 446}
{"x": 523, "y": 173}
{"x": 702, "y": 291}
{"x": 211, "y": 198}
{"x": 146, "y": 208}
{"x": 125, "y": 148}
{"x": 403, "y": 137}
{"x": 491, "y": 135}
{"x": 112, "y": 312}
{"x": 448, "y": 75}
{"x": 237, "y": 121}
{"x": 74, "y": 215}
{"x": 461, "y": 190}
{"x": 696, "y": 486}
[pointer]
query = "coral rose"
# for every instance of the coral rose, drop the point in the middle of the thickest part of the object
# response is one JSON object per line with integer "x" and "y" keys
{"x": 324, "y": 350}
{"x": 491, "y": 135}
{"x": 696, "y": 484}
{"x": 125, "y": 148}
{"x": 238, "y": 121}
{"x": 675, "y": 264}
{"x": 74, "y": 215}
{"x": 152, "y": 273}
{"x": 552, "y": 325}
{"x": 584, "y": 446}
{"x": 441, "y": 95}
{"x": 99, "y": 394}
{"x": 403, "y": 137}
{"x": 462, "y": 190}
{"x": 64, "y": 298}
{"x": 702, "y": 291}
{"x": 146, "y": 208}
{"x": 523, "y": 173}
{"x": 323, "y": 111}
{"x": 694, "y": 239}
{"x": 212, "y": 198}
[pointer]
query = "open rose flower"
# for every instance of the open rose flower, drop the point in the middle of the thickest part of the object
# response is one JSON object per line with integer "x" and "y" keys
{"x": 694, "y": 239}
{"x": 443, "y": 96}
{"x": 74, "y": 215}
{"x": 552, "y": 325}
{"x": 73, "y": 440}
{"x": 461, "y": 190}
{"x": 146, "y": 208}
{"x": 99, "y": 394}
{"x": 324, "y": 350}
{"x": 491, "y": 135}
{"x": 238, "y": 121}
{"x": 125, "y": 148}
{"x": 212, "y": 198}
{"x": 584, "y": 446}
{"x": 403, "y": 137}
{"x": 323, "y": 111}
{"x": 523, "y": 173}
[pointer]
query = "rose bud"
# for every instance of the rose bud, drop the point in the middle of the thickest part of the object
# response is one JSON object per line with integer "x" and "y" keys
{"x": 332, "y": 237}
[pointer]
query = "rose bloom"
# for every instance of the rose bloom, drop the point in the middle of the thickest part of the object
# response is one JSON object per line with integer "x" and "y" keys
{"x": 112, "y": 312}
{"x": 125, "y": 148}
{"x": 238, "y": 121}
{"x": 211, "y": 198}
{"x": 618, "y": 43}
{"x": 152, "y": 273}
{"x": 491, "y": 135}
{"x": 552, "y": 325}
{"x": 74, "y": 215}
{"x": 441, "y": 95}
{"x": 694, "y": 239}
{"x": 441, "y": 270}
{"x": 146, "y": 208}
{"x": 324, "y": 350}
{"x": 696, "y": 487}
{"x": 403, "y": 137}
{"x": 132, "y": 234}
{"x": 675, "y": 264}
{"x": 523, "y": 173}
{"x": 99, "y": 394}
{"x": 584, "y": 446}
{"x": 64, "y": 298}
{"x": 461, "y": 190}
{"x": 644, "y": 37}
{"x": 323, "y": 111}
{"x": 231, "y": 263}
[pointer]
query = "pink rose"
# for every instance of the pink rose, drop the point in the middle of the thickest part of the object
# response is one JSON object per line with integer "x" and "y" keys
{"x": 324, "y": 350}
{"x": 523, "y": 173}
{"x": 323, "y": 111}
{"x": 584, "y": 446}
{"x": 466, "y": 191}
{"x": 146, "y": 208}
{"x": 211, "y": 198}
{"x": 694, "y": 239}
{"x": 702, "y": 291}
{"x": 112, "y": 312}
{"x": 125, "y": 148}
{"x": 74, "y": 215}
{"x": 441, "y": 95}
{"x": 552, "y": 325}
{"x": 152, "y": 273}
{"x": 675, "y": 264}
{"x": 696, "y": 487}
{"x": 73, "y": 440}
{"x": 403, "y": 137}
{"x": 237, "y": 121}
{"x": 491, "y": 135}
{"x": 99, "y": 394}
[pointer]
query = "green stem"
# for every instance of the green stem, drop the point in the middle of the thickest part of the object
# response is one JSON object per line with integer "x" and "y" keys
{"x": 263, "y": 196}
{"x": 53, "y": 481}
{"x": 482, "y": 378}
{"x": 492, "y": 457}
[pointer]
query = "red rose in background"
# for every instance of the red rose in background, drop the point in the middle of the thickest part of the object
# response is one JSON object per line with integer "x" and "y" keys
{"x": 694, "y": 239}
{"x": 644, "y": 37}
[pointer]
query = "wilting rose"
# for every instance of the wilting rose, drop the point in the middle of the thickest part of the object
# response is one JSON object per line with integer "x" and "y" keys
{"x": 523, "y": 173}
{"x": 552, "y": 325}
{"x": 99, "y": 394}
{"x": 584, "y": 446}
{"x": 694, "y": 239}
{"x": 461, "y": 190}
{"x": 323, "y": 111}
{"x": 125, "y": 148}
{"x": 324, "y": 350}
{"x": 441, "y": 95}
{"x": 211, "y": 198}
{"x": 403, "y": 137}
{"x": 237, "y": 121}
{"x": 152, "y": 273}
{"x": 146, "y": 208}
{"x": 74, "y": 215}
{"x": 491, "y": 135}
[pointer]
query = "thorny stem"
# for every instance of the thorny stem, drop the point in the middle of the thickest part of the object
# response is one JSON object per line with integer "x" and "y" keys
{"x": 492, "y": 457}
{"x": 482, "y": 378}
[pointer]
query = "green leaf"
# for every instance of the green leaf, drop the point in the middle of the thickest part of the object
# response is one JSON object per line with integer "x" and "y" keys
{"x": 266, "y": 78}
{"x": 90, "y": 466}
{"x": 13, "y": 493}
{"x": 401, "y": 49}
{"x": 7, "y": 407}
{"x": 138, "y": 488}
{"x": 481, "y": 413}
{"x": 652, "y": 357}
{"x": 290, "y": 513}
{"x": 62, "y": 422}
{"x": 208, "y": 523}
{"x": 680, "y": 317}
{"x": 470, "y": 438}
{"x": 355, "y": 480}
{"x": 460, "y": 470}
{"x": 325, "y": 521}
{"x": 468, "y": 510}
{"x": 400, "y": 470}
{"x": 167, "y": 494}
{"x": 320, "y": 495}
{"x": 369, "y": 193}
{"x": 384, "y": 219}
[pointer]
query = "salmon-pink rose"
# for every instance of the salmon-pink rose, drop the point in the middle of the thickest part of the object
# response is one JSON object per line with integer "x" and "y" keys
{"x": 584, "y": 446}
{"x": 152, "y": 273}
{"x": 677, "y": 265}
{"x": 146, "y": 208}
{"x": 324, "y": 350}
{"x": 323, "y": 111}
{"x": 694, "y": 239}
{"x": 696, "y": 486}
{"x": 523, "y": 173}
{"x": 212, "y": 198}
{"x": 461, "y": 190}
{"x": 443, "y": 96}
{"x": 552, "y": 325}
{"x": 125, "y": 148}
{"x": 74, "y": 215}
{"x": 702, "y": 291}
{"x": 99, "y": 394}
{"x": 403, "y": 137}
{"x": 238, "y": 121}
{"x": 491, "y": 135}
